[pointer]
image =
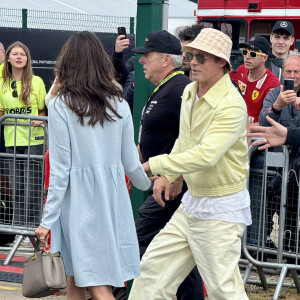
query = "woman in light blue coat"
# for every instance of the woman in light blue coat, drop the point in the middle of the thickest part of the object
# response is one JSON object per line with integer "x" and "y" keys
{"x": 91, "y": 148}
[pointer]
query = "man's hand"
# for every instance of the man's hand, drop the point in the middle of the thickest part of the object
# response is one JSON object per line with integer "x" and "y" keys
{"x": 176, "y": 188}
{"x": 284, "y": 98}
{"x": 121, "y": 43}
{"x": 161, "y": 184}
{"x": 273, "y": 136}
{"x": 296, "y": 103}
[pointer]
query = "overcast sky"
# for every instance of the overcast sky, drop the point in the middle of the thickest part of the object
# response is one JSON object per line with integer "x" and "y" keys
{"x": 177, "y": 8}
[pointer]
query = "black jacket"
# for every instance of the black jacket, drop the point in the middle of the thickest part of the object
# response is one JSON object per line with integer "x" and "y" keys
{"x": 275, "y": 65}
{"x": 293, "y": 137}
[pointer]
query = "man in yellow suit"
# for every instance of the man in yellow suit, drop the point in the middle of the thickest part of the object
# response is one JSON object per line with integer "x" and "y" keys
{"x": 211, "y": 154}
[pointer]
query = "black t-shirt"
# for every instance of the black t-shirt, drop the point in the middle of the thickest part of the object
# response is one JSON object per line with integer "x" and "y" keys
{"x": 160, "y": 120}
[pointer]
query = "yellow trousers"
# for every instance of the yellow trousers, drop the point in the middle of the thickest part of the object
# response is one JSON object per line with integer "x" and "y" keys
{"x": 214, "y": 246}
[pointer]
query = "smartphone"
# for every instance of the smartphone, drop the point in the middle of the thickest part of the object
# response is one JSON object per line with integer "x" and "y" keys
{"x": 288, "y": 84}
{"x": 122, "y": 31}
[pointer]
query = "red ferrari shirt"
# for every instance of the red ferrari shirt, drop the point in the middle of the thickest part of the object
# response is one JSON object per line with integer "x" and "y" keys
{"x": 255, "y": 92}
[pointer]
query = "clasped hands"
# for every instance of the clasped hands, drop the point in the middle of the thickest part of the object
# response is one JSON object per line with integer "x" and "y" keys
{"x": 162, "y": 184}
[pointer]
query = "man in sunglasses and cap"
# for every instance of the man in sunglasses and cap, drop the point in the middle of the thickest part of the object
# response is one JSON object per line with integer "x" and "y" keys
{"x": 254, "y": 79}
{"x": 211, "y": 154}
{"x": 162, "y": 59}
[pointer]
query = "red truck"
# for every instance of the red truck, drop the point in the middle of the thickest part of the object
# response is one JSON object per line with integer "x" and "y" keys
{"x": 243, "y": 19}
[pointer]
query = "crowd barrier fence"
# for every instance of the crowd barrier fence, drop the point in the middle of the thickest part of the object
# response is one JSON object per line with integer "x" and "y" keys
{"x": 271, "y": 243}
{"x": 21, "y": 183}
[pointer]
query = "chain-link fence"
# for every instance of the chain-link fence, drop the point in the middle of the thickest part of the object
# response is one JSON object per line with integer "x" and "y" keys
{"x": 23, "y": 18}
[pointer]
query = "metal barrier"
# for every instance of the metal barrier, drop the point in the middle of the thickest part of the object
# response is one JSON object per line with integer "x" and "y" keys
{"x": 21, "y": 183}
{"x": 274, "y": 195}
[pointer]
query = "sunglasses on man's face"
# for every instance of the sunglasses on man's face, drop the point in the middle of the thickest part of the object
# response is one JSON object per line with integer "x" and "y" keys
{"x": 201, "y": 59}
{"x": 14, "y": 88}
{"x": 252, "y": 54}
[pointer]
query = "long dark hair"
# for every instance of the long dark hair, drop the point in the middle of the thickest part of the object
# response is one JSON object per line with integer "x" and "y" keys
{"x": 86, "y": 75}
{"x": 27, "y": 74}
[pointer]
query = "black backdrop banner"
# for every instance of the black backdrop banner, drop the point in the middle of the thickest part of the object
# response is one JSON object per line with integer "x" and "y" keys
{"x": 45, "y": 45}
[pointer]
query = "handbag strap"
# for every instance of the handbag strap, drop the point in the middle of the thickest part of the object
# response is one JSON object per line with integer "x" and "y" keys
{"x": 38, "y": 244}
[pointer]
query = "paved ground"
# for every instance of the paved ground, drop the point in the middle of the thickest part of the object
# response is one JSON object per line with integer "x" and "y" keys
{"x": 13, "y": 291}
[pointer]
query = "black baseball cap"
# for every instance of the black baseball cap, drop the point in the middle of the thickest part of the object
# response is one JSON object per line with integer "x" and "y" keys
{"x": 160, "y": 41}
{"x": 284, "y": 25}
{"x": 257, "y": 43}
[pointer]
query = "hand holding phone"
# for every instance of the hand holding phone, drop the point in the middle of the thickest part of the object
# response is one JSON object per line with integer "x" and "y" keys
{"x": 288, "y": 84}
{"x": 121, "y": 42}
{"x": 286, "y": 96}
{"x": 122, "y": 31}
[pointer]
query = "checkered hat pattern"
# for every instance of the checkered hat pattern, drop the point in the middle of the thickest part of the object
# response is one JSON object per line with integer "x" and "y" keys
{"x": 212, "y": 41}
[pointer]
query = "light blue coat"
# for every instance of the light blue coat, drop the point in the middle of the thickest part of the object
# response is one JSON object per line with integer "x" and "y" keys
{"x": 88, "y": 208}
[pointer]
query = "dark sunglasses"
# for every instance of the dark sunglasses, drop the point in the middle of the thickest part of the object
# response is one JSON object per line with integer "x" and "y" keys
{"x": 252, "y": 54}
{"x": 14, "y": 87}
{"x": 201, "y": 59}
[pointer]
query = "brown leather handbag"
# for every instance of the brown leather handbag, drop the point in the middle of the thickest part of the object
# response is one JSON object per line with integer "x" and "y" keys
{"x": 44, "y": 274}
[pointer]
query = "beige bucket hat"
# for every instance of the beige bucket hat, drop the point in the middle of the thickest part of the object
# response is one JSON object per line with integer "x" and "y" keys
{"x": 212, "y": 41}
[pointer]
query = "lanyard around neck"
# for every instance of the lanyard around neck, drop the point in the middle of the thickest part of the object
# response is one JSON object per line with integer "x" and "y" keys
{"x": 163, "y": 82}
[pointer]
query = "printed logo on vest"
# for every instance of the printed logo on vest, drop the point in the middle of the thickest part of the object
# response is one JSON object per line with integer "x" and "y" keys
{"x": 255, "y": 94}
{"x": 26, "y": 110}
{"x": 242, "y": 87}
{"x": 37, "y": 138}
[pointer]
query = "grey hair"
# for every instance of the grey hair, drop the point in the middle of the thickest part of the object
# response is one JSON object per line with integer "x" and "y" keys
{"x": 292, "y": 53}
{"x": 176, "y": 59}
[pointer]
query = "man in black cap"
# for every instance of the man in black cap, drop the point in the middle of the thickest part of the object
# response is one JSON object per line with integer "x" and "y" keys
{"x": 254, "y": 79}
{"x": 162, "y": 59}
{"x": 282, "y": 38}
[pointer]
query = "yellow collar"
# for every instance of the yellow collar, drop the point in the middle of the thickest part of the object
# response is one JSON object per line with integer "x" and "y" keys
{"x": 212, "y": 96}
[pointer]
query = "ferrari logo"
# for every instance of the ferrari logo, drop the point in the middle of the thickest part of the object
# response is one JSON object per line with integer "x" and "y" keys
{"x": 255, "y": 95}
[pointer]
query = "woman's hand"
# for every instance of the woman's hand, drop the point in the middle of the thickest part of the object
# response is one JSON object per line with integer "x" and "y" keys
{"x": 42, "y": 233}
{"x": 36, "y": 123}
{"x": 147, "y": 169}
{"x": 56, "y": 87}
